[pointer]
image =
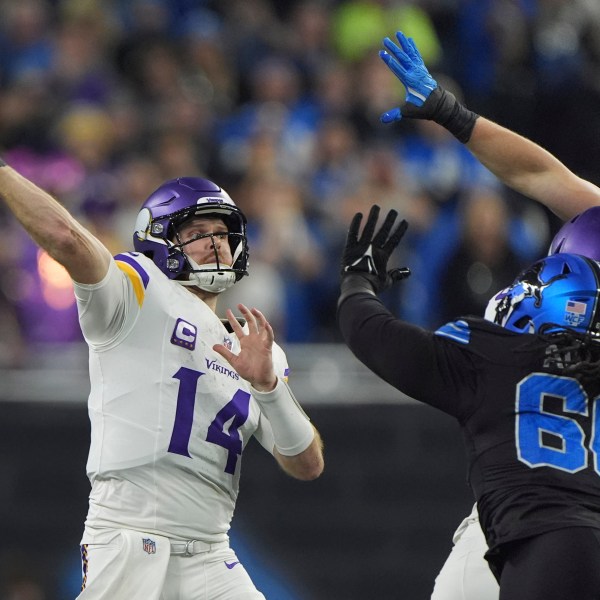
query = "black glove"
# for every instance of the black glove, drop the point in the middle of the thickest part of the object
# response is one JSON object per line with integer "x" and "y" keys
{"x": 368, "y": 255}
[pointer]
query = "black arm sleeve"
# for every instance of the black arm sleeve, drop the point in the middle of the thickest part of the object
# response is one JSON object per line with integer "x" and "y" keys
{"x": 406, "y": 356}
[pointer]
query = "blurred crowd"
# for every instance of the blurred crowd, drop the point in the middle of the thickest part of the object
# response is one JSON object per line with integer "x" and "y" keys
{"x": 279, "y": 102}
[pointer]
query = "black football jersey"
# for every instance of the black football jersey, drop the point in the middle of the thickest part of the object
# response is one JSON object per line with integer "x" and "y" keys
{"x": 531, "y": 433}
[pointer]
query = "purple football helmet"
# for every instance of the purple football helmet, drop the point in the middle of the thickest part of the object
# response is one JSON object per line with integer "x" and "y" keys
{"x": 579, "y": 235}
{"x": 157, "y": 227}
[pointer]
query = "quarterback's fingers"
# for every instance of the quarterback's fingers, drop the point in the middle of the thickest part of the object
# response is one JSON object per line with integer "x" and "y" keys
{"x": 227, "y": 354}
{"x": 235, "y": 324}
{"x": 250, "y": 318}
{"x": 264, "y": 324}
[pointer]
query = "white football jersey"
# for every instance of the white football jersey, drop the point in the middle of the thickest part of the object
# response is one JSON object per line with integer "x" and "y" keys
{"x": 169, "y": 416}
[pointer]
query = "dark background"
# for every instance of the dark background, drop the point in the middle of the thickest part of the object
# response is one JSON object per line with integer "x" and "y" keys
{"x": 377, "y": 524}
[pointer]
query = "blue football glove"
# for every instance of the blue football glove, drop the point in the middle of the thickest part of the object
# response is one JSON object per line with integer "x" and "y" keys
{"x": 425, "y": 99}
{"x": 406, "y": 64}
{"x": 368, "y": 254}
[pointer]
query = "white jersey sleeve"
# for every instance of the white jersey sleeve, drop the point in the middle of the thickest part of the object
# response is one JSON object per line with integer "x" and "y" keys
{"x": 108, "y": 308}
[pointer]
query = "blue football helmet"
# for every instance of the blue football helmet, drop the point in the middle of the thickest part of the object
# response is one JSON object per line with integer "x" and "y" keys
{"x": 562, "y": 290}
{"x": 156, "y": 233}
{"x": 579, "y": 235}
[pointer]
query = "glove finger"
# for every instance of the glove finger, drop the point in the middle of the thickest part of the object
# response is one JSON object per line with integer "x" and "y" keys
{"x": 401, "y": 57}
{"x": 396, "y": 236}
{"x": 411, "y": 50}
{"x": 391, "y": 47}
{"x": 352, "y": 237}
{"x": 367, "y": 234}
{"x": 402, "y": 40}
{"x": 398, "y": 274}
{"x": 382, "y": 235}
{"x": 395, "y": 114}
{"x": 393, "y": 65}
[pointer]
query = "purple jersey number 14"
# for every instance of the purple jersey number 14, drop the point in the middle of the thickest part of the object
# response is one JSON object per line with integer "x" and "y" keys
{"x": 236, "y": 411}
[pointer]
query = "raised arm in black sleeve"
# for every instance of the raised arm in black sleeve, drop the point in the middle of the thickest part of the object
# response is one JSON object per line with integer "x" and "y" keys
{"x": 411, "y": 359}
{"x": 400, "y": 353}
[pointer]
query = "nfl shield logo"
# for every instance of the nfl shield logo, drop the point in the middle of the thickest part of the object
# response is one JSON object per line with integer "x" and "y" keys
{"x": 149, "y": 546}
{"x": 227, "y": 343}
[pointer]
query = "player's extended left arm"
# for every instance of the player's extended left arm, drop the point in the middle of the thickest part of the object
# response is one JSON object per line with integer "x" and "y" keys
{"x": 396, "y": 351}
{"x": 518, "y": 162}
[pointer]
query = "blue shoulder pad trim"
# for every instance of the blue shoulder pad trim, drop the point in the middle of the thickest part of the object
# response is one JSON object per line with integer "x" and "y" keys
{"x": 457, "y": 330}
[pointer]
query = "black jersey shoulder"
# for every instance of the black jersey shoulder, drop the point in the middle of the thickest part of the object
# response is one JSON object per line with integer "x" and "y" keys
{"x": 491, "y": 342}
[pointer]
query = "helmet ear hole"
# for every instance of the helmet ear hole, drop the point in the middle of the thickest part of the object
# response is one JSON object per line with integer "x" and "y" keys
{"x": 566, "y": 269}
{"x": 523, "y": 322}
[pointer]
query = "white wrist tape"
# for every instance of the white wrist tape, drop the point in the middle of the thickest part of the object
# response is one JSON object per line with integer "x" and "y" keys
{"x": 292, "y": 430}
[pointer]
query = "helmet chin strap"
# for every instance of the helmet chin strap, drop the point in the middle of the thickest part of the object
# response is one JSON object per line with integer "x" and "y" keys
{"x": 208, "y": 278}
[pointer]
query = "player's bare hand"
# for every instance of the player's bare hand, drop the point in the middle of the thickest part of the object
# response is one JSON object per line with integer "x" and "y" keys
{"x": 255, "y": 360}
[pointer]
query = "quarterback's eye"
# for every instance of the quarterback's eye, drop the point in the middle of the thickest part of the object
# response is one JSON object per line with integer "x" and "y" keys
{"x": 191, "y": 236}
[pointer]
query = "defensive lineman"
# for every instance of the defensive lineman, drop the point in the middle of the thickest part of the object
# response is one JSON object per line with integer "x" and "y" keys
{"x": 523, "y": 385}
{"x": 527, "y": 168}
